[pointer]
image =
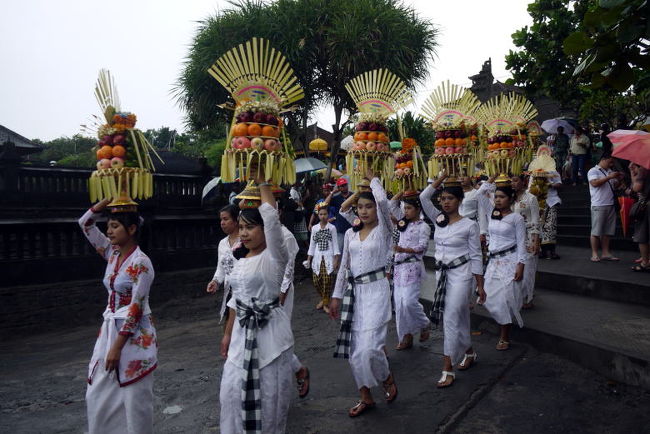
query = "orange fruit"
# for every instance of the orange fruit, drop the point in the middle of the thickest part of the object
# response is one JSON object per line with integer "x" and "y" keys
{"x": 106, "y": 152}
{"x": 360, "y": 136}
{"x": 254, "y": 130}
{"x": 503, "y": 145}
{"x": 439, "y": 143}
{"x": 240, "y": 129}
{"x": 372, "y": 136}
{"x": 382, "y": 137}
{"x": 473, "y": 138}
{"x": 119, "y": 151}
{"x": 450, "y": 141}
{"x": 269, "y": 131}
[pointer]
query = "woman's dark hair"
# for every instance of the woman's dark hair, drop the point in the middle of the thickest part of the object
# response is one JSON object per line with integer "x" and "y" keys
{"x": 413, "y": 202}
{"x": 368, "y": 196}
{"x": 231, "y": 210}
{"x": 127, "y": 219}
{"x": 508, "y": 191}
{"x": 457, "y": 192}
{"x": 249, "y": 216}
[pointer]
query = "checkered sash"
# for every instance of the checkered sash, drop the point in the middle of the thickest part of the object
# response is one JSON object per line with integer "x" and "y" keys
{"x": 347, "y": 311}
{"x": 322, "y": 239}
{"x": 411, "y": 258}
{"x": 499, "y": 254}
{"x": 438, "y": 306}
{"x": 252, "y": 318}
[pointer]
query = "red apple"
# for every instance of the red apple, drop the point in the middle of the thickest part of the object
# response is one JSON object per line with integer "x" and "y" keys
{"x": 105, "y": 163}
{"x": 271, "y": 145}
{"x": 257, "y": 143}
{"x": 117, "y": 162}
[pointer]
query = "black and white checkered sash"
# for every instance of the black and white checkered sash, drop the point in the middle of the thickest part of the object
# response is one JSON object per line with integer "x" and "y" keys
{"x": 408, "y": 259}
{"x": 438, "y": 306}
{"x": 252, "y": 318}
{"x": 499, "y": 254}
{"x": 322, "y": 239}
{"x": 347, "y": 311}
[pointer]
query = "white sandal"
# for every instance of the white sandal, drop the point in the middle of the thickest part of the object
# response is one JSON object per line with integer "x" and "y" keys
{"x": 443, "y": 379}
{"x": 464, "y": 365}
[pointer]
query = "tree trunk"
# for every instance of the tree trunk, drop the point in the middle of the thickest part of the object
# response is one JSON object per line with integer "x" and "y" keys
{"x": 337, "y": 129}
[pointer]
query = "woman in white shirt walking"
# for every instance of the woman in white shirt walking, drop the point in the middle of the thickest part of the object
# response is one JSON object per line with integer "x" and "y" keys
{"x": 366, "y": 308}
{"x": 459, "y": 269}
{"x": 257, "y": 380}
{"x": 225, "y": 261}
{"x": 527, "y": 205}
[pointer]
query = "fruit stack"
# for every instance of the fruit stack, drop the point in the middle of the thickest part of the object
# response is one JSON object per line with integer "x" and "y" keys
{"x": 378, "y": 94}
{"x": 124, "y": 165}
{"x": 508, "y": 146}
{"x": 410, "y": 171}
{"x": 263, "y": 85}
{"x": 450, "y": 109}
{"x": 541, "y": 169}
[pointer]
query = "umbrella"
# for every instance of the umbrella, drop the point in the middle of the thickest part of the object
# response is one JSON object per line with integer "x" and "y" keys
{"x": 626, "y": 204}
{"x": 308, "y": 164}
{"x": 634, "y": 148}
{"x": 550, "y": 126}
{"x": 618, "y": 137}
{"x": 211, "y": 187}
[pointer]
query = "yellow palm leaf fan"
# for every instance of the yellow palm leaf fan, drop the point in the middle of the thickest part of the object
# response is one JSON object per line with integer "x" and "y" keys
{"x": 379, "y": 91}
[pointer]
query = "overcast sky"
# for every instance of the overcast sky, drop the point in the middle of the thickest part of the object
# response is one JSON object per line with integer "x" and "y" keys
{"x": 51, "y": 52}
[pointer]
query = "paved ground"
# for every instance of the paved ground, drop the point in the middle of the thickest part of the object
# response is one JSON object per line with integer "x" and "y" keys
{"x": 42, "y": 383}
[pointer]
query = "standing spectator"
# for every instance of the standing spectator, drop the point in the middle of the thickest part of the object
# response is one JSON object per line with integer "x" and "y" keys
{"x": 326, "y": 189}
{"x": 561, "y": 148}
{"x": 299, "y": 227}
{"x": 579, "y": 150}
{"x": 548, "y": 221}
{"x": 336, "y": 199}
{"x": 608, "y": 147}
{"x": 603, "y": 215}
{"x": 640, "y": 214}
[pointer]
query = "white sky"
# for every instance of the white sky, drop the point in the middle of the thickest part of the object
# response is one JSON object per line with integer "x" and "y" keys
{"x": 51, "y": 52}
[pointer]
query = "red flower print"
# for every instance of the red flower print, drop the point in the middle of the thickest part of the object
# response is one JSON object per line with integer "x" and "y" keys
{"x": 133, "y": 368}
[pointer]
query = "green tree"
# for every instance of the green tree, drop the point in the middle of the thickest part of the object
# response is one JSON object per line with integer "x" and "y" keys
{"x": 540, "y": 64}
{"x": 415, "y": 127}
{"x": 327, "y": 43}
{"x": 75, "y": 151}
{"x": 612, "y": 44}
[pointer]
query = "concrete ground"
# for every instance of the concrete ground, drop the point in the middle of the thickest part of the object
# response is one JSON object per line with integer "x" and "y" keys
{"x": 42, "y": 383}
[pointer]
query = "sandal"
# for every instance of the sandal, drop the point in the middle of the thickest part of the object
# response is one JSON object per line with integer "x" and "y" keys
{"x": 360, "y": 408}
{"x": 303, "y": 383}
{"x": 390, "y": 386}
{"x": 442, "y": 383}
{"x": 503, "y": 345}
{"x": 319, "y": 306}
{"x": 468, "y": 361}
{"x": 595, "y": 259}
{"x": 610, "y": 258}
{"x": 425, "y": 334}
{"x": 406, "y": 344}
{"x": 640, "y": 268}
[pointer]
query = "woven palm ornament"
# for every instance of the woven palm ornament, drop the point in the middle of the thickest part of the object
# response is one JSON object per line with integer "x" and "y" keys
{"x": 378, "y": 94}
{"x": 124, "y": 163}
{"x": 451, "y": 110}
{"x": 263, "y": 86}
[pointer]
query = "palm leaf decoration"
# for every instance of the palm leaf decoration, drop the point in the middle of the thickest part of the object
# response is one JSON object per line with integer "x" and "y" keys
{"x": 449, "y": 105}
{"x": 379, "y": 91}
{"x": 106, "y": 94}
{"x": 255, "y": 71}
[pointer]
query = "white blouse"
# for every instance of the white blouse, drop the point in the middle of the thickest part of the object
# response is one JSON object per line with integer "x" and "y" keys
{"x": 508, "y": 232}
{"x": 225, "y": 261}
{"x": 328, "y": 254}
{"x": 292, "y": 248}
{"x": 260, "y": 277}
{"x": 456, "y": 239}
{"x": 528, "y": 207}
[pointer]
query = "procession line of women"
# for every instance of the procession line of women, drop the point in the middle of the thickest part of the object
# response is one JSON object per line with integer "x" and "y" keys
{"x": 255, "y": 267}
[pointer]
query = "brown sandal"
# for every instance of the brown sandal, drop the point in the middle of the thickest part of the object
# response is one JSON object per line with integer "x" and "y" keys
{"x": 503, "y": 345}
{"x": 303, "y": 383}
{"x": 390, "y": 389}
{"x": 360, "y": 408}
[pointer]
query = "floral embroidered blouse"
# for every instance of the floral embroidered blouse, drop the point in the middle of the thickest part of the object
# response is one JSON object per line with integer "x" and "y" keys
{"x": 127, "y": 312}
{"x": 416, "y": 237}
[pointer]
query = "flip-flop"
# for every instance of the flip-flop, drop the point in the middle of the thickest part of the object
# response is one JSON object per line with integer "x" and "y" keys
{"x": 610, "y": 258}
{"x": 303, "y": 384}
{"x": 360, "y": 408}
{"x": 641, "y": 268}
{"x": 595, "y": 259}
{"x": 387, "y": 386}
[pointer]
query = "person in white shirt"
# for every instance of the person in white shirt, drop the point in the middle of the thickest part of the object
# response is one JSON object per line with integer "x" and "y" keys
{"x": 527, "y": 205}
{"x": 323, "y": 256}
{"x": 579, "y": 148}
{"x": 602, "y": 182}
{"x": 225, "y": 261}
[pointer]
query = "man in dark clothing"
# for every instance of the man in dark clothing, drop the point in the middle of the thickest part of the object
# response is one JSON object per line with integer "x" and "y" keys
{"x": 608, "y": 147}
{"x": 336, "y": 200}
{"x": 560, "y": 149}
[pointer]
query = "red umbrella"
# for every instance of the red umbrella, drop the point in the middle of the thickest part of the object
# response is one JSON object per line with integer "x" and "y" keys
{"x": 635, "y": 149}
{"x": 619, "y": 136}
{"x": 626, "y": 203}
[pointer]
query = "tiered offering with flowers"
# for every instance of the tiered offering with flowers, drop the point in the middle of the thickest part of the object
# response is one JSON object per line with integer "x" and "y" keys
{"x": 410, "y": 170}
{"x": 263, "y": 86}
{"x": 377, "y": 94}
{"x": 541, "y": 169}
{"x": 124, "y": 164}
{"x": 450, "y": 109}
{"x": 509, "y": 148}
